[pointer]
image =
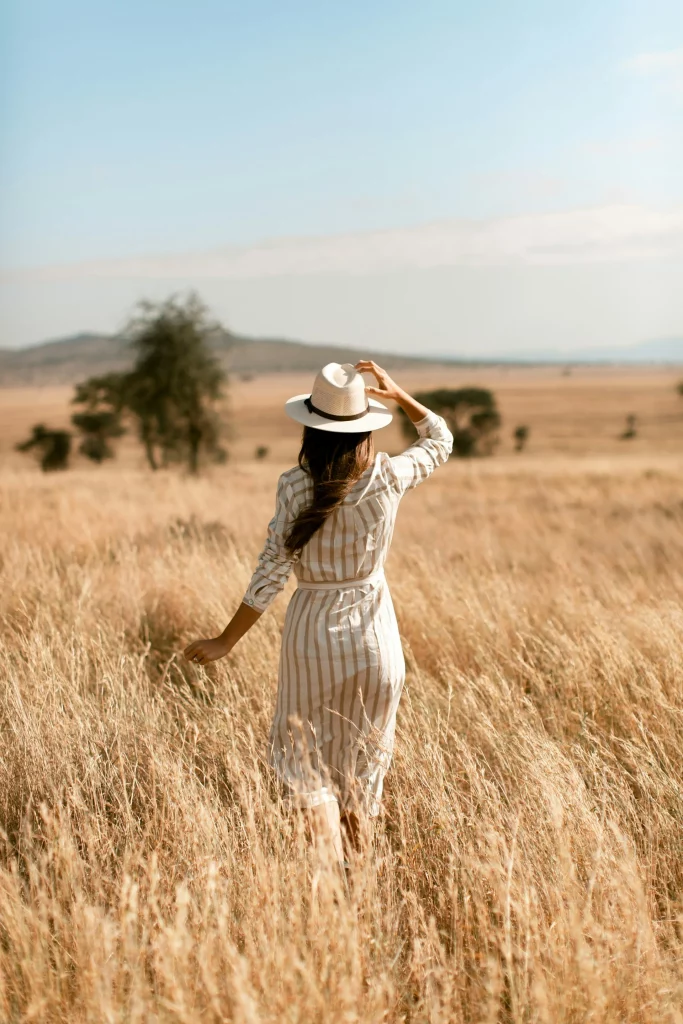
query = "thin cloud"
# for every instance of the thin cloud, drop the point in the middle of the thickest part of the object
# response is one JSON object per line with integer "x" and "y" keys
{"x": 655, "y": 63}
{"x": 620, "y": 147}
{"x": 619, "y": 233}
{"x": 666, "y": 66}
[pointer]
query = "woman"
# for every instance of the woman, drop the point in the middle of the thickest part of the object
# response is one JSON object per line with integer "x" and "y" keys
{"x": 341, "y": 665}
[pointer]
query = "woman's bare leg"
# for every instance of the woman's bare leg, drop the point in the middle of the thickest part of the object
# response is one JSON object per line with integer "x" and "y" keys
{"x": 326, "y": 828}
{"x": 356, "y": 831}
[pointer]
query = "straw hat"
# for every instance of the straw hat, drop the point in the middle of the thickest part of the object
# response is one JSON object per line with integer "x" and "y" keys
{"x": 338, "y": 403}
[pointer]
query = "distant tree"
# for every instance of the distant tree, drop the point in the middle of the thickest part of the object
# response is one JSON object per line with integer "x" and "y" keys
{"x": 140, "y": 401}
{"x": 171, "y": 392}
{"x": 521, "y": 436}
{"x": 631, "y": 428}
{"x": 54, "y": 447}
{"x": 102, "y": 401}
{"x": 176, "y": 381}
{"x": 261, "y": 452}
{"x": 471, "y": 414}
{"x": 679, "y": 388}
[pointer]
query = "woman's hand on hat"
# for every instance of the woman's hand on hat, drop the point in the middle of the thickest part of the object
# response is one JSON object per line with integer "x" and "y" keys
{"x": 386, "y": 387}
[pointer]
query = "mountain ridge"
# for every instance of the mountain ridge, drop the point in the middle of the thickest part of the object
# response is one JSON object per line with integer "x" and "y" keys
{"x": 87, "y": 353}
{"x": 66, "y": 360}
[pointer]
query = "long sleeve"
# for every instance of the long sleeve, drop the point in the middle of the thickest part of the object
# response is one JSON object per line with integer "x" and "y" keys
{"x": 274, "y": 563}
{"x": 431, "y": 449}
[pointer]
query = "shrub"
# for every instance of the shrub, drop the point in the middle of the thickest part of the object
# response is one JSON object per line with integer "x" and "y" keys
{"x": 521, "y": 436}
{"x": 471, "y": 415}
{"x": 631, "y": 429}
{"x": 54, "y": 447}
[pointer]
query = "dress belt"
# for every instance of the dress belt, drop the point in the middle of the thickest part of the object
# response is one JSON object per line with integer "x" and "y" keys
{"x": 372, "y": 579}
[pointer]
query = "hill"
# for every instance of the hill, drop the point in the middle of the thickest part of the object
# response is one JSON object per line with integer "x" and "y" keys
{"x": 67, "y": 360}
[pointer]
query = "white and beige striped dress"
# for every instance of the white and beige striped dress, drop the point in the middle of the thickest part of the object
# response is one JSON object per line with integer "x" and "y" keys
{"x": 341, "y": 665}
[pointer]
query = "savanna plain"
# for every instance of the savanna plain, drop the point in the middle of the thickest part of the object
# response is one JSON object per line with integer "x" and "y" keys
{"x": 528, "y": 866}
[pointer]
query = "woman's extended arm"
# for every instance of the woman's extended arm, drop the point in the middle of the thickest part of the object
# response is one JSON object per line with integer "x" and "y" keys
{"x": 270, "y": 576}
{"x": 204, "y": 651}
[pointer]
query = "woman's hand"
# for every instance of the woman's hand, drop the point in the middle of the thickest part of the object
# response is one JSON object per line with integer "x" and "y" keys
{"x": 203, "y": 651}
{"x": 387, "y": 388}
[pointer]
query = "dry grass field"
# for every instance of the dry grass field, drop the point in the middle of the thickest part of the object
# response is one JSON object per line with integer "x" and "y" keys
{"x": 529, "y": 863}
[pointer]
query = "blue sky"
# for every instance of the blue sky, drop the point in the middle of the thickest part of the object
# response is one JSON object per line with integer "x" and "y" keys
{"x": 135, "y": 131}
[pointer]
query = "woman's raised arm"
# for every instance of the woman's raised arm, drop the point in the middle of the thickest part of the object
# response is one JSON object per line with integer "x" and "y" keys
{"x": 388, "y": 388}
{"x": 434, "y": 442}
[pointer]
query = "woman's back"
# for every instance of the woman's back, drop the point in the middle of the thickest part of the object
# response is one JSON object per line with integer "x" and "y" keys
{"x": 354, "y": 541}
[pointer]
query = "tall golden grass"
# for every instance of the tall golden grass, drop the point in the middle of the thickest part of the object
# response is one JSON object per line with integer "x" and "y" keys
{"x": 529, "y": 864}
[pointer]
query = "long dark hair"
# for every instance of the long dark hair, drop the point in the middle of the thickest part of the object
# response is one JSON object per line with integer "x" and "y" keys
{"x": 335, "y": 462}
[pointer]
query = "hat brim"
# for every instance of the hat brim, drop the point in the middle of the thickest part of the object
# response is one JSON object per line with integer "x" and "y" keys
{"x": 378, "y": 416}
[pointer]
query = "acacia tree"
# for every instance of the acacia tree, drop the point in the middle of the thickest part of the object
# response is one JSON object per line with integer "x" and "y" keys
{"x": 176, "y": 381}
{"x": 471, "y": 415}
{"x": 117, "y": 395}
{"x": 171, "y": 393}
{"x": 99, "y": 421}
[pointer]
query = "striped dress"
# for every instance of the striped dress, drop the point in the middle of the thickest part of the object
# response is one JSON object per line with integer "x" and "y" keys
{"x": 341, "y": 665}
